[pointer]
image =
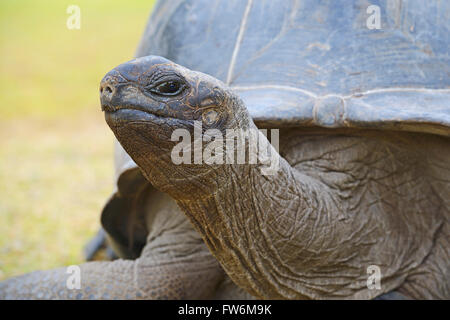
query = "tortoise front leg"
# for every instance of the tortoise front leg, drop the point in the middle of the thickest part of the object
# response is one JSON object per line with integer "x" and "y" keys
{"x": 155, "y": 275}
{"x": 98, "y": 280}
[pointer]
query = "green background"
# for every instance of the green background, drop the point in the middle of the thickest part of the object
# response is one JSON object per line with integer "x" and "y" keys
{"x": 56, "y": 156}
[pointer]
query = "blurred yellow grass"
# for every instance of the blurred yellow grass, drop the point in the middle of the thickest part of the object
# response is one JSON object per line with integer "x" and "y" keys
{"x": 56, "y": 166}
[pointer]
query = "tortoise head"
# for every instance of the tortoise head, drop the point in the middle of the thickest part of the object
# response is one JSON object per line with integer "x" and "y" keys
{"x": 145, "y": 100}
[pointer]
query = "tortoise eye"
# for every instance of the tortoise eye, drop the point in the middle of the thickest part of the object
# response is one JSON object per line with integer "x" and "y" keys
{"x": 167, "y": 88}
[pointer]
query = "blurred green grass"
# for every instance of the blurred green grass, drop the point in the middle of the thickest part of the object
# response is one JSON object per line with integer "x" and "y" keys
{"x": 56, "y": 163}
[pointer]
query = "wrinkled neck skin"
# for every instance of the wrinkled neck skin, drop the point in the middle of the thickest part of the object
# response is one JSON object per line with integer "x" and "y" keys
{"x": 312, "y": 231}
{"x": 244, "y": 224}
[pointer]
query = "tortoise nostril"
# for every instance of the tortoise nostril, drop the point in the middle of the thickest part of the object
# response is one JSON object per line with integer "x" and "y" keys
{"x": 107, "y": 91}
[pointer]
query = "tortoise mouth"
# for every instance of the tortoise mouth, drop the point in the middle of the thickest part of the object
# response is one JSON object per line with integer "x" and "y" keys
{"x": 133, "y": 114}
{"x": 111, "y": 109}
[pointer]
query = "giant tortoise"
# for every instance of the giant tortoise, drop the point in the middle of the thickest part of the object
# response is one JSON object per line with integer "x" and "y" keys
{"x": 362, "y": 176}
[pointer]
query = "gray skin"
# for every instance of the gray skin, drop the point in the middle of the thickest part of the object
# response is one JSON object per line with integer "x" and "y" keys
{"x": 342, "y": 200}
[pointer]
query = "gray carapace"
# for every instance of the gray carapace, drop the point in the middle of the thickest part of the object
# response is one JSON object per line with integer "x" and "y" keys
{"x": 316, "y": 63}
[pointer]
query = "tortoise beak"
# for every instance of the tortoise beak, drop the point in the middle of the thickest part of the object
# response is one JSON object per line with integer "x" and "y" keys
{"x": 107, "y": 92}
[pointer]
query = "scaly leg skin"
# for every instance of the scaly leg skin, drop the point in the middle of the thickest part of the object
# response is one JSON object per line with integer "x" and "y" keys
{"x": 175, "y": 264}
{"x": 145, "y": 278}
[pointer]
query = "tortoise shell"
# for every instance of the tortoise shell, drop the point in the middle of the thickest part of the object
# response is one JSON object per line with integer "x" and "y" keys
{"x": 317, "y": 63}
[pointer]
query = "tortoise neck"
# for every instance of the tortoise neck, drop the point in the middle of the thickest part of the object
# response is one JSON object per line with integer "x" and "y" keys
{"x": 237, "y": 224}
